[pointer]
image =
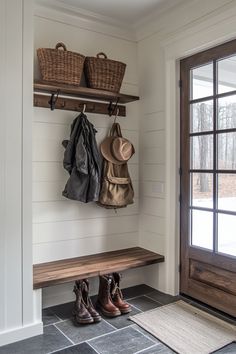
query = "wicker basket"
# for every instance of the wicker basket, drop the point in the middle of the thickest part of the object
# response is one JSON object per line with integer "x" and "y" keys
{"x": 102, "y": 73}
{"x": 60, "y": 65}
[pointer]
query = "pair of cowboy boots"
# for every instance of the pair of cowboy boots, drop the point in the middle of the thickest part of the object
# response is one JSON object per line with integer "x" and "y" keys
{"x": 110, "y": 299}
{"x": 84, "y": 311}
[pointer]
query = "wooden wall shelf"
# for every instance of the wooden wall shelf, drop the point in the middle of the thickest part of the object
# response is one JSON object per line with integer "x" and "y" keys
{"x": 67, "y": 270}
{"x": 80, "y": 96}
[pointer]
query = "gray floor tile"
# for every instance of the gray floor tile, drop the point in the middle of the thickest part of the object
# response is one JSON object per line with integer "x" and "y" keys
{"x": 50, "y": 341}
{"x": 127, "y": 338}
{"x": 82, "y": 348}
{"x": 140, "y": 329}
{"x": 63, "y": 311}
{"x": 144, "y": 303}
{"x": 157, "y": 349}
{"x": 123, "y": 320}
{"x": 82, "y": 333}
{"x": 163, "y": 298}
{"x": 124, "y": 341}
{"x": 137, "y": 290}
{"x": 229, "y": 349}
{"x": 49, "y": 317}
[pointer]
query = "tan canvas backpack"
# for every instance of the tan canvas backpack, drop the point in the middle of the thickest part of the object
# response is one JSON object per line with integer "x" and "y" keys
{"x": 116, "y": 189}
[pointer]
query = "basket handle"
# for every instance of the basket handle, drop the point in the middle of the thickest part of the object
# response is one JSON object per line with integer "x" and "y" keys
{"x": 102, "y": 54}
{"x": 61, "y": 45}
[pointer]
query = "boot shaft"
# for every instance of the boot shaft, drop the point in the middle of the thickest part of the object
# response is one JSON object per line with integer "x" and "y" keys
{"x": 117, "y": 296}
{"x": 116, "y": 277}
{"x": 105, "y": 282}
{"x": 80, "y": 313}
{"x": 115, "y": 285}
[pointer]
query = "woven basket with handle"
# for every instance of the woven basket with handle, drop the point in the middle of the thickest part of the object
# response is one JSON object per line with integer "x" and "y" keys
{"x": 102, "y": 73}
{"x": 60, "y": 65}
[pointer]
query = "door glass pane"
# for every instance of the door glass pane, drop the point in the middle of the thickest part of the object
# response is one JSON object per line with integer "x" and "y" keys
{"x": 202, "y": 81}
{"x": 227, "y": 112}
{"x": 202, "y": 190}
{"x": 201, "y": 118}
{"x": 226, "y": 234}
{"x": 202, "y": 229}
{"x": 227, "y": 74}
{"x": 227, "y": 192}
{"x": 227, "y": 151}
{"x": 201, "y": 152}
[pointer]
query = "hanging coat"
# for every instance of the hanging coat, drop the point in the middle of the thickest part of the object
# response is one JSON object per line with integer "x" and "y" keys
{"x": 83, "y": 162}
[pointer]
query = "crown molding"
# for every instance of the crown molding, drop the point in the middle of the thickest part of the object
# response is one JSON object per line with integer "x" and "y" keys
{"x": 164, "y": 22}
{"x": 178, "y": 17}
{"x": 222, "y": 16}
{"x": 73, "y": 16}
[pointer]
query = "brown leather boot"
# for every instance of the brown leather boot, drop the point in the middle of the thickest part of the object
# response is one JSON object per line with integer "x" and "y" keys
{"x": 116, "y": 295}
{"x": 80, "y": 313}
{"x": 104, "y": 303}
{"x": 88, "y": 303}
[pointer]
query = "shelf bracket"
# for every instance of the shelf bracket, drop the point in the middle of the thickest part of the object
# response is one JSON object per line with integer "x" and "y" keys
{"x": 53, "y": 100}
{"x": 112, "y": 109}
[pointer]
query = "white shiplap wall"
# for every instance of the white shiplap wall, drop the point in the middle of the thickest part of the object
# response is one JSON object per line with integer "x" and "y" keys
{"x": 64, "y": 228}
{"x": 152, "y": 155}
{"x": 180, "y": 32}
{"x": 18, "y": 319}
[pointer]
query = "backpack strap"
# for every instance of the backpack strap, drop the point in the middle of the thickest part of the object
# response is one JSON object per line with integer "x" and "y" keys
{"x": 115, "y": 130}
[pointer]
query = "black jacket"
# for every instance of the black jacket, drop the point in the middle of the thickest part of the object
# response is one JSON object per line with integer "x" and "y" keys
{"x": 83, "y": 162}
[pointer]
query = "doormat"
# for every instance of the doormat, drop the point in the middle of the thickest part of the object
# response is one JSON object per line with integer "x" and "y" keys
{"x": 186, "y": 329}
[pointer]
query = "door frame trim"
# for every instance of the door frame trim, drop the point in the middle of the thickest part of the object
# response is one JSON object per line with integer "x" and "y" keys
{"x": 178, "y": 47}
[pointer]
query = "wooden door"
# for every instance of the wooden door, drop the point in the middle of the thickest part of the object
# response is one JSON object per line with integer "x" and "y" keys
{"x": 208, "y": 177}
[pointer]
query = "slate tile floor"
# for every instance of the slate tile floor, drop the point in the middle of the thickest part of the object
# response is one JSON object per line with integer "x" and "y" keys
{"x": 111, "y": 336}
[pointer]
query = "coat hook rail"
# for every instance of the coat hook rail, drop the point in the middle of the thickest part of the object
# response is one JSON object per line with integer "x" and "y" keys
{"x": 70, "y": 104}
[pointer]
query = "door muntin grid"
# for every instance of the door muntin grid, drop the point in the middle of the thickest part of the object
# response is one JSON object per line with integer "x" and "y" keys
{"x": 212, "y": 144}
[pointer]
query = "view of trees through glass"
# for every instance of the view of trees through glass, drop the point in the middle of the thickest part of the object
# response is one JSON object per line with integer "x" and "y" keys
{"x": 213, "y": 156}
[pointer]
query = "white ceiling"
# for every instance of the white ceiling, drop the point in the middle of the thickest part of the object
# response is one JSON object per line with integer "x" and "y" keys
{"x": 129, "y": 12}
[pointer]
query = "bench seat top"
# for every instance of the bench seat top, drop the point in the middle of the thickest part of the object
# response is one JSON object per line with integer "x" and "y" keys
{"x": 67, "y": 270}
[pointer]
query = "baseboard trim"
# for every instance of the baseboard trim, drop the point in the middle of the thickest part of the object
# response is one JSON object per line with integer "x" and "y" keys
{"x": 17, "y": 334}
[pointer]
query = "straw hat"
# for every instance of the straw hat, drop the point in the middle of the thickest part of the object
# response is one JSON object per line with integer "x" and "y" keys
{"x": 117, "y": 150}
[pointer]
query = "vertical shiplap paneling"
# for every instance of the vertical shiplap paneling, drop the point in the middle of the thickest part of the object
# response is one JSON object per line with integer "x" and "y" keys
{"x": 16, "y": 294}
{"x": 27, "y": 278}
{"x": 64, "y": 228}
{"x": 2, "y": 163}
{"x": 13, "y": 89}
{"x": 11, "y": 179}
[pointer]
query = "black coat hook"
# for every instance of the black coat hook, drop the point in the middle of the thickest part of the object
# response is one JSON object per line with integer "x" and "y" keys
{"x": 53, "y": 100}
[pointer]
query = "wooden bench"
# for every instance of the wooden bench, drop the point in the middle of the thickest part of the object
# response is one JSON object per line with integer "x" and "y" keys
{"x": 67, "y": 270}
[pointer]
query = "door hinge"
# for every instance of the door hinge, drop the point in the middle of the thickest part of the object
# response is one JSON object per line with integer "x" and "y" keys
{"x": 180, "y": 268}
{"x": 180, "y": 171}
{"x": 180, "y": 83}
{"x": 180, "y": 198}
